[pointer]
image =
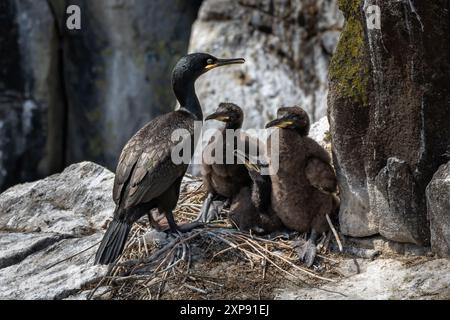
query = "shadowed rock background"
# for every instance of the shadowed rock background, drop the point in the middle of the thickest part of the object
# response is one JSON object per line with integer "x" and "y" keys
{"x": 68, "y": 96}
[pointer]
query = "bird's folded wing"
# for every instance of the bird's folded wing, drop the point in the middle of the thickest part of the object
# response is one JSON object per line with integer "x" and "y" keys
{"x": 321, "y": 175}
{"x": 145, "y": 171}
{"x": 127, "y": 161}
{"x": 154, "y": 173}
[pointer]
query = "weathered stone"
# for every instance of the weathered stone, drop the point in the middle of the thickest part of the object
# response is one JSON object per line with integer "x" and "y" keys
{"x": 117, "y": 71}
{"x": 41, "y": 276}
{"x": 287, "y": 46}
{"x": 383, "y": 279}
{"x": 438, "y": 203}
{"x": 17, "y": 246}
{"x": 387, "y": 247}
{"x": 30, "y": 93}
{"x": 320, "y": 132}
{"x": 49, "y": 231}
{"x": 388, "y": 110}
{"x": 77, "y": 202}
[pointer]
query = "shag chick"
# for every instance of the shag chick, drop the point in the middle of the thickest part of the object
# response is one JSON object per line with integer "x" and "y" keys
{"x": 251, "y": 209}
{"x": 223, "y": 181}
{"x": 146, "y": 177}
{"x": 303, "y": 189}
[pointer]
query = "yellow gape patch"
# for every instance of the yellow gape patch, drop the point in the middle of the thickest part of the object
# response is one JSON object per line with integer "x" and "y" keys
{"x": 211, "y": 66}
{"x": 285, "y": 124}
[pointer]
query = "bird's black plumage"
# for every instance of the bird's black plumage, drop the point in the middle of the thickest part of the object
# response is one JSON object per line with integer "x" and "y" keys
{"x": 146, "y": 177}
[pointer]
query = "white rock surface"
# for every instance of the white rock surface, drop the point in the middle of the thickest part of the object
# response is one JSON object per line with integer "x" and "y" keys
{"x": 75, "y": 202}
{"x": 287, "y": 46}
{"x": 384, "y": 279}
{"x": 48, "y": 221}
{"x": 17, "y": 246}
{"x": 319, "y": 132}
{"x": 35, "y": 278}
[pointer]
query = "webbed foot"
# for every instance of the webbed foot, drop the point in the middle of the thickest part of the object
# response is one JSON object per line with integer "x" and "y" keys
{"x": 211, "y": 209}
{"x": 308, "y": 251}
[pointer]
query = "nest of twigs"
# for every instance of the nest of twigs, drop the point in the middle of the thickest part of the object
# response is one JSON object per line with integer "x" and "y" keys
{"x": 209, "y": 263}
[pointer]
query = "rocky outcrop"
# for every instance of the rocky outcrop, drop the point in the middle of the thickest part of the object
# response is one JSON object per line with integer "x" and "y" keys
{"x": 287, "y": 46}
{"x": 74, "y": 95}
{"x": 320, "y": 132}
{"x": 49, "y": 231}
{"x": 382, "y": 279}
{"x": 438, "y": 203}
{"x": 30, "y": 93}
{"x": 388, "y": 110}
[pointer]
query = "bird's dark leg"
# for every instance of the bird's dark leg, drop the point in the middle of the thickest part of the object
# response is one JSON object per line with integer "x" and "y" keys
{"x": 216, "y": 207}
{"x": 151, "y": 221}
{"x": 202, "y": 217}
{"x": 174, "y": 228}
{"x": 308, "y": 251}
{"x": 171, "y": 221}
{"x": 211, "y": 208}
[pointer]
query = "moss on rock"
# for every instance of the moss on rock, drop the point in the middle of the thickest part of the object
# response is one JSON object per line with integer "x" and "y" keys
{"x": 349, "y": 70}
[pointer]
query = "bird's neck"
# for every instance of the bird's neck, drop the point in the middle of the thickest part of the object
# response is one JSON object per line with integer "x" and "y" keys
{"x": 236, "y": 125}
{"x": 188, "y": 100}
{"x": 261, "y": 192}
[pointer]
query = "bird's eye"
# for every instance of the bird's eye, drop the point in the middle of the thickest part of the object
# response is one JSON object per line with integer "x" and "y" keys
{"x": 210, "y": 61}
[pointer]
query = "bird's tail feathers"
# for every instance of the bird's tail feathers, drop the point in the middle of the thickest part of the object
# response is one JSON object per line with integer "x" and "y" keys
{"x": 113, "y": 242}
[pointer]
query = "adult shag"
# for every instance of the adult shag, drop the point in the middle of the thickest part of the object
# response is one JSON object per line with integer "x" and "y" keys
{"x": 146, "y": 177}
{"x": 304, "y": 188}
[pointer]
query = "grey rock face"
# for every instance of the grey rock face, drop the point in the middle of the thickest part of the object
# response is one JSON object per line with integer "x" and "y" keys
{"x": 388, "y": 111}
{"x": 40, "y": 277}
{"x": 438, "y": 203}
{"x": 383, "y": 279}
{"x": 74, "y": 203}
{"x": 31, "y": 138}
{"x": 48, "y": 221}
{"x": 117, "y": 71}
{"x": 320, "y": 132}
{"x": 287, "y": 46}
{"x": 17, "y": 246}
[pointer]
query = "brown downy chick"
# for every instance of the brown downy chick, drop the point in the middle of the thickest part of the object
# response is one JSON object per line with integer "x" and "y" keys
{"x": 303, "y": 189}
{"x": 251, "y": 209}
{"x": 224, "y": 181}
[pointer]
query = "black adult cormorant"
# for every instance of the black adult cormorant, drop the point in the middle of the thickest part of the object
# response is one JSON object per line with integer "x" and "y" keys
{"x": 146, "y": 177}
{"x": 303, "y": 188}
{"x": 222, "y": 180}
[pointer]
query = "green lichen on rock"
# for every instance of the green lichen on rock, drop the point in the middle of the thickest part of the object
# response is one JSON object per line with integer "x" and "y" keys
{"x": 349, "y": 70}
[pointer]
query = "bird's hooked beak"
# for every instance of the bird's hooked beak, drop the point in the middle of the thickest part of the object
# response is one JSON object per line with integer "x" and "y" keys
{"x": 219, "y": 116}
{"x": 224, "y": 62}
{"x": 280, "y": 123}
